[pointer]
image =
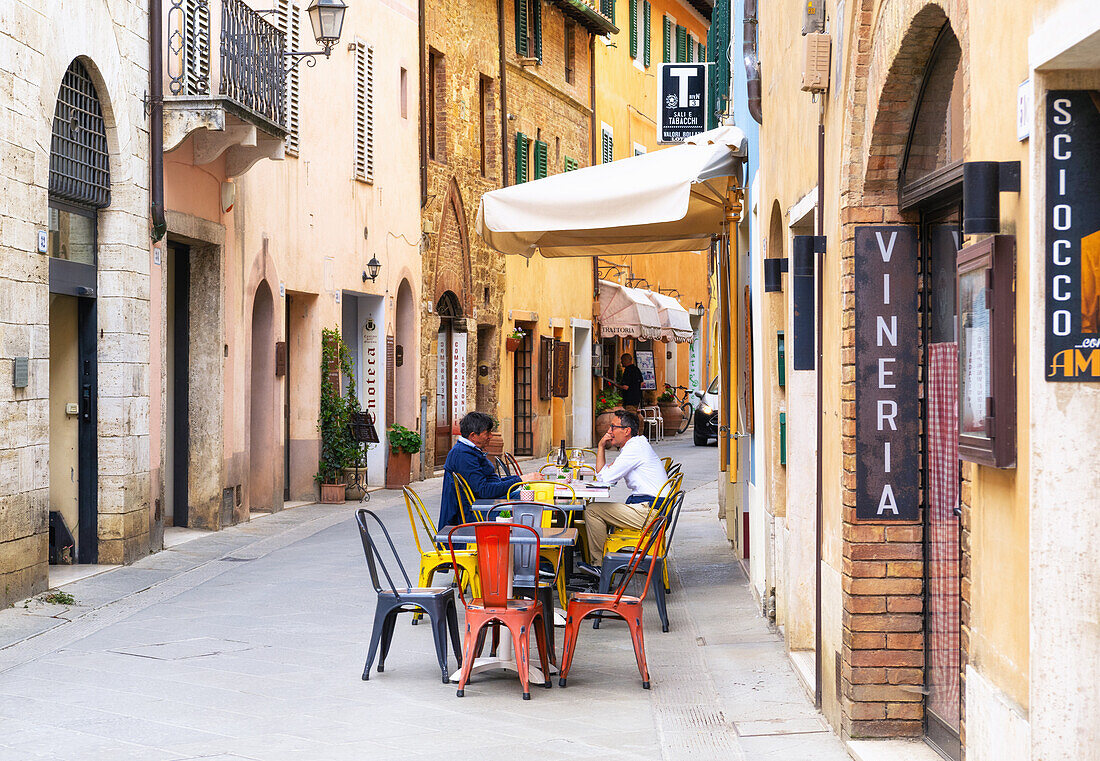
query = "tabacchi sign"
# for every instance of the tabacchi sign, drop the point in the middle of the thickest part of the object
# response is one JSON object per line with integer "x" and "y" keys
{"x": 887, "y": 407}
{"x": 1073, "y": 236}
{"x": 683, "y": 101}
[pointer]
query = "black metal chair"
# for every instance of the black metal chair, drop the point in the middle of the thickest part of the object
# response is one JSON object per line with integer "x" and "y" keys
{"x": 438, "y": 602}
{"x": 619, "y": 562}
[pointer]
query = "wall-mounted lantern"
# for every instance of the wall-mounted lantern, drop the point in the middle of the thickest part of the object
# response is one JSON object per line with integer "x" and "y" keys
{"x": 373, "y": 266}
{"x": 327, "y": 19}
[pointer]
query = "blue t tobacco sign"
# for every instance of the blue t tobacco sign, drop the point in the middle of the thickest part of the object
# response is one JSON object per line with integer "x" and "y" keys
{"x": 887, "y": 404}
{"x": 683, "y": 101}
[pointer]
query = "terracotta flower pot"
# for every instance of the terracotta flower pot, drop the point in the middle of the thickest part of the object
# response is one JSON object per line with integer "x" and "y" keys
{"x": 398, "y": 469}
{"x": 511, "y": 344}
{"x": 603, "y": 422}
{"x": 332, "y": 494}
{"x": 673, "y": 416}
{"x": 495, "y": 447}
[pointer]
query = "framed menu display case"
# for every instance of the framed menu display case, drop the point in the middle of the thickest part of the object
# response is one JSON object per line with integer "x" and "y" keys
{"x": 985, "y": 288}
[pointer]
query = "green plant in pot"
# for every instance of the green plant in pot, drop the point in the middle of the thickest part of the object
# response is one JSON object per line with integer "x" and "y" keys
{"x": 403, "y": 444}
{"x": 607, "y": 401}
{"x": 337, "y": 446}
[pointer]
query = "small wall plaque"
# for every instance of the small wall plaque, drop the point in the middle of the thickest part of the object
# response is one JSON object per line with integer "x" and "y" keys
{"x": 43, "y": 241}
{"x": 21, "y": 373}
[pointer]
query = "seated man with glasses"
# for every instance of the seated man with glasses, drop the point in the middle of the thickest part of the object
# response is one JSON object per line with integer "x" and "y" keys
{"x": 641, "y": 469}
{"x": 467, "y": 459}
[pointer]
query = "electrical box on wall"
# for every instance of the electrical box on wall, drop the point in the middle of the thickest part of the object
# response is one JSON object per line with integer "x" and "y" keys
{"x": 815, "y": 62}
{"x": 597, "y": 359}
{"x": 813, "y": 16}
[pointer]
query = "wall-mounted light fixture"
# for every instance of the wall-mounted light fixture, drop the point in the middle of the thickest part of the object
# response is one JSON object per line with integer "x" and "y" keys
{"x": 327, "y": 19}
{"x": 773, "y": 274}
{"x": 373, "y": 266}
{"x": 983, "y": 183}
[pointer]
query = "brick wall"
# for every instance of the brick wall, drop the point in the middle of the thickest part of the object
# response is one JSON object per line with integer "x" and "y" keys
{"x": 883, "y": 648}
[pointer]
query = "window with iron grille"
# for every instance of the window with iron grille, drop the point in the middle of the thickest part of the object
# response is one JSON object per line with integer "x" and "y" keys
{"x": 79, "y": 162}
{"x": 364, "y": 112}
{"x": 289, "y": 23}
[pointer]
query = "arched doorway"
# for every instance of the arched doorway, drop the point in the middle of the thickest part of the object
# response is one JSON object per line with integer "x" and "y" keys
{"x": 262, "y": 462}
{"x": 450, "y": 373}
{"x": 79, "y": 186}
{"x": 404, "y": 376}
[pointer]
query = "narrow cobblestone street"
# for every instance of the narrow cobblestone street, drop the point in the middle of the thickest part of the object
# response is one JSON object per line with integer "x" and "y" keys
{"x": 249, "y": 643}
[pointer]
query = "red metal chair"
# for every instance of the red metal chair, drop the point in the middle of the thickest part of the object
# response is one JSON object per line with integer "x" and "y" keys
{"x": 495, "y": 566}
{"x": 619, "y": 604}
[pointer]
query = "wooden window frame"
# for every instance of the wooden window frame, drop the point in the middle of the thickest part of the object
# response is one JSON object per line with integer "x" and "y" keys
{"x": 570, "y": 51}
{"x": 996, "y": 255}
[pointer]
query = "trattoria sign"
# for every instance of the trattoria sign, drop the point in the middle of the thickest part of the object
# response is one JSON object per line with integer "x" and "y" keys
{"x": 1073, "y": 236}
{"x": 887, "y": 407}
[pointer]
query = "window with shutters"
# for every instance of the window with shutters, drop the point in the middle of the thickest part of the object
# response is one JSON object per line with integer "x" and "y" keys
{"x": 487, "y": 124}
{"x": 639, "y": 149}
{"x": 667, "y": 41}
{"x": 634, "y": 15}
{"x": 607, "y": 151}
{"x": 289, "y": 22}
{"x": 607, "y": 8}
{"x": 569, "y": 164}
{"x": 542, "y": 159}
{"x": 646, "y": 13}
{"x": 435, "y": 120}
{"x": 689, "y": 49}
{"x": 191, "y": 43}
{"x": 522, "y": 145}
{"x": 702, "y": 56}
{"x": 364, "y": 112}
{"x": 570, "y": 51}
{"x": 681, "y": 44}
{"x": 529, "y": 29}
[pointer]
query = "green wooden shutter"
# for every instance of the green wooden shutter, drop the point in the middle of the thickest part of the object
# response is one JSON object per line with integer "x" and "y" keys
{"x": 681, "y": 44}
{"x": 667, "y": 48}
{"x": 607, "y": 8}
{"x": 633, "y": 28}
{"x": 541, "y": 159}
{"x": 537, "y": 23}
{"x": 521, "y": 28}
{"x": 570, "y": 164}
{"x": 521, "y": 158}
{"x": 645, "y": 31}
{"x": 702, "y": 53}
{"x": 608, "y": 148}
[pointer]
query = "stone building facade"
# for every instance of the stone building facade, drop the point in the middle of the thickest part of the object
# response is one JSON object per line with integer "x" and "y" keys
{"x": 463, "y": 280}
{"x": 74, "y": 289}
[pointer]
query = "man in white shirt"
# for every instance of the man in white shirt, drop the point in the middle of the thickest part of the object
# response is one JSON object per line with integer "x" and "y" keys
{"x": 641, "y": 469}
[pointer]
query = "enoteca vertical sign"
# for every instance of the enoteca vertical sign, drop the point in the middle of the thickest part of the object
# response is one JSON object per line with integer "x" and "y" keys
{"x": 683, "y": 101}
{"x": 887, "y": 407}
{"x": 1073, "y": 236}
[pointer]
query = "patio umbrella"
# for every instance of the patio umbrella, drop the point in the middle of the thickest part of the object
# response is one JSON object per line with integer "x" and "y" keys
{"x": 668, "y": 200}
{"x": 627, "y": 312}
{"x": 675, "y": 322}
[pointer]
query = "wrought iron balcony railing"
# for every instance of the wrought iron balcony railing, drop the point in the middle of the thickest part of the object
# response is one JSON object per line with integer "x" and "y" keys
{"x": 248, "y": 66}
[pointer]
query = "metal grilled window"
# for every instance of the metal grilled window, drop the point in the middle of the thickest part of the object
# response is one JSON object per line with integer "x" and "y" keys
{"x": 364, "y": 112}
{"x": 79, "y": 164}
{"x": 290, "y": 24}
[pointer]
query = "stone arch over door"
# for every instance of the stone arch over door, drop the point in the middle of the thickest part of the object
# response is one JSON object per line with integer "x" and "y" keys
{"x": 452, "y": 254}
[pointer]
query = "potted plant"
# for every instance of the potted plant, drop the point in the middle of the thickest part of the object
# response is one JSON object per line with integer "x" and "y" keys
{"x": 337, "y": 448}
{"x": 670, "y": 411}
{"x": 403, "y": 445}
{"x": 495, "y": 447}
{"x": 607, "y": 401}
{"x": 513, "y": 340}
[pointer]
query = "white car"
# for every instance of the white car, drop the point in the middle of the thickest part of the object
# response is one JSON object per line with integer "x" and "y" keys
{"x": 706, "y": 415}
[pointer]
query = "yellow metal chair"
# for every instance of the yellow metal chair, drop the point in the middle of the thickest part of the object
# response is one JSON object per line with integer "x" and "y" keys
{"x": 432, "y": 560}
{"x": 626, "y": 539}
{"x": 544, "y": 491}
{"x": 465, "y": 496}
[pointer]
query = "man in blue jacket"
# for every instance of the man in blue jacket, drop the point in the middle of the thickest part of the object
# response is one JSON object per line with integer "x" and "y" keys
{"x": 467, "y": 459}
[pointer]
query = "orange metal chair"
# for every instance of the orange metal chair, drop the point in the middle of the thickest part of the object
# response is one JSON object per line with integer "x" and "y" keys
{"x": 495, "y": 565}
{"x": 544, "y": 492}
{"x": 584, "y": 604}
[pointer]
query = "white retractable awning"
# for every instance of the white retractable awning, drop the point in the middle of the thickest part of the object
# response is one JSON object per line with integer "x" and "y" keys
{"x": 627, "y": 312}
{"x": 664, "y": 201}
{"x": 675, "y": 323}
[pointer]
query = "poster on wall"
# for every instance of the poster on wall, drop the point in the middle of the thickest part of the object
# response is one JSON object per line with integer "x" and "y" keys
{"x": 887, "y": 365}
{"x": 458, "y": 377}
{"x": 644, "y": 361}
{"x": 1073, "y": 236}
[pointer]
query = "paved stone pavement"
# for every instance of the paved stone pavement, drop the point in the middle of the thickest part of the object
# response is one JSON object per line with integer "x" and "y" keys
{"x": 248, "y": 644}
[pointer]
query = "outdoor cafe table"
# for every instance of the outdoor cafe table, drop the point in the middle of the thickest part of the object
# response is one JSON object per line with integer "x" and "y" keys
{"x": 506, "y": 657}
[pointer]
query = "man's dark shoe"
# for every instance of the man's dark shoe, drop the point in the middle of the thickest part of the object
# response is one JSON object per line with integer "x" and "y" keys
{"x": 591, "y": 570}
